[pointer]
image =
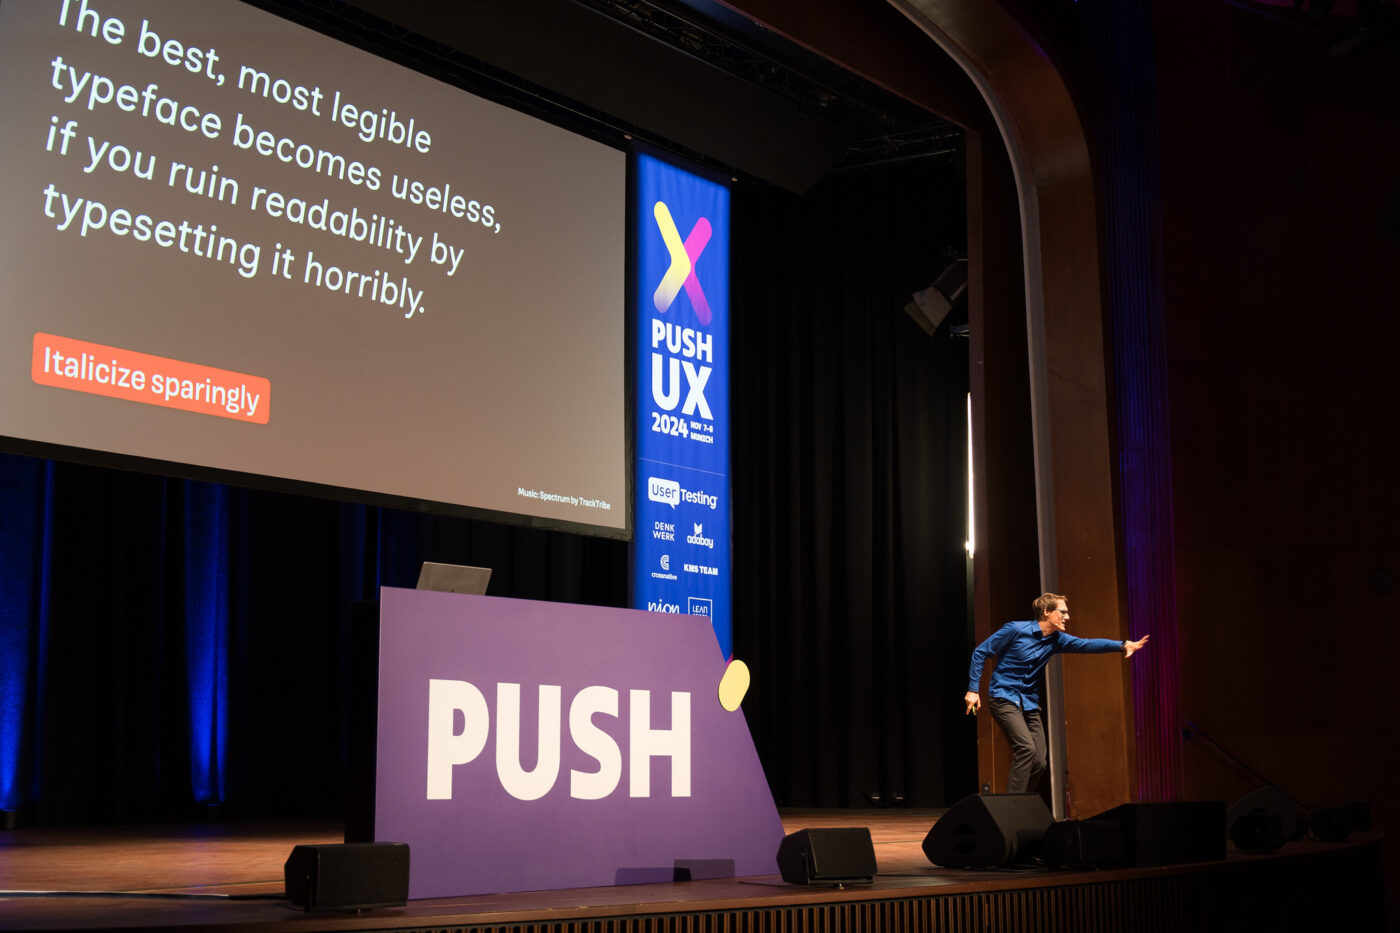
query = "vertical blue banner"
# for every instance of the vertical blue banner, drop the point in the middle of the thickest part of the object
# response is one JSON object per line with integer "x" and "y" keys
{"x": 681, "y": 559}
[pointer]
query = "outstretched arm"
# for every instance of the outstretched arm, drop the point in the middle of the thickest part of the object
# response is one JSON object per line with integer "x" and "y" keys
{"x": 1072, "y": 644}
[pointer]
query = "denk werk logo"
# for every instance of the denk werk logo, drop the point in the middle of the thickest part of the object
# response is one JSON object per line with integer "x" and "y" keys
{"x": 684, "y": 255}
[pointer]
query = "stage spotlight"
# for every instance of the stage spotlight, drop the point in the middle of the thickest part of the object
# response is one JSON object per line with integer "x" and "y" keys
{"x": 1263, "y": 820}
{"x": 931, "y": 305}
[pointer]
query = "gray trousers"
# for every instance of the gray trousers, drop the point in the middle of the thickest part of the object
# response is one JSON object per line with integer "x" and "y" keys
{"x": 1025, "y": 733}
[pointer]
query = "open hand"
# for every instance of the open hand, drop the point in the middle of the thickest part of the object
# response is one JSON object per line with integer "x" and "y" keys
{"x": 1130, "y": 646}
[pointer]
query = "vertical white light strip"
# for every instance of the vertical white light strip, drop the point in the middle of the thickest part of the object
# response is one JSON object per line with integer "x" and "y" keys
{"x": 971, "y": 542}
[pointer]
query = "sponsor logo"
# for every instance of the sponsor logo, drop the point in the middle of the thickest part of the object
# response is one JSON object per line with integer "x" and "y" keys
{"x": 684, "y": 255}
{"x": 665, "y": 572}
{"x": 664, "y": 490}
{"x": 663, "y": 606}
{"x": 699, "y": 606}
{"x": 699, "y": 497}
{"x": 669, "y": 492}
{"x": 663, "y": 531}
{"x": 699, "y": 537}
{"x": 702, "y": 569}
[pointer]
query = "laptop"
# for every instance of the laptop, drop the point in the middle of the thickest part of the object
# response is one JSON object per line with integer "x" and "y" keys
{"x": 453, "y": 578}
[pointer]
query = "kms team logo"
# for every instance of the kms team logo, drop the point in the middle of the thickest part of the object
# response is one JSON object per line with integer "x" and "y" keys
{"x": 687, "y": 351}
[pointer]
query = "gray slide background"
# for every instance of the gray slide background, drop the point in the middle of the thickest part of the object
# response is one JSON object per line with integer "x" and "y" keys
{"x": 512, "y": 377}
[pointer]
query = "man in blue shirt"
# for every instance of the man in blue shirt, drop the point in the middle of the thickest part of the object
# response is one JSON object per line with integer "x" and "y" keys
{"x": 1022, "y": 650}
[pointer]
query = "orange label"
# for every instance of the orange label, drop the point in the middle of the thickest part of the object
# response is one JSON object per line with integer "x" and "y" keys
{"x": 65, "y": 363}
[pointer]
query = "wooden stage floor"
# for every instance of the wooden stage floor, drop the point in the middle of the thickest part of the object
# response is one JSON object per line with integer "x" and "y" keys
{"x": 226, "y": 877}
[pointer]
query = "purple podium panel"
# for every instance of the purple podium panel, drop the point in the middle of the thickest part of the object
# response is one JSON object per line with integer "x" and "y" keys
{"x": 526, "y": 746}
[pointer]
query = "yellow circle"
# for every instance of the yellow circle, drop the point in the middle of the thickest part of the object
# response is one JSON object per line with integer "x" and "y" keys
{"x": 733, "y": 685}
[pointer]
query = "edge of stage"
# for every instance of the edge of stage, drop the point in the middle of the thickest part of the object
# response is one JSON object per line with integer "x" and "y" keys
{"x": 1335, "y": 885}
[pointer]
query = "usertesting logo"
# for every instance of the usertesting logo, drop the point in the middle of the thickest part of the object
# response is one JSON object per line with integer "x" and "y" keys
{"x": 684, "y": 255}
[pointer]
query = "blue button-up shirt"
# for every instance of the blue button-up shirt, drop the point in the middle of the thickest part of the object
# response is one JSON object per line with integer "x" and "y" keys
{"x": 1022, "y": 653}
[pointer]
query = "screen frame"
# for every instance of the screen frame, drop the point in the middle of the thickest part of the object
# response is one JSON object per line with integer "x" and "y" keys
{"x": 366, "y": 33}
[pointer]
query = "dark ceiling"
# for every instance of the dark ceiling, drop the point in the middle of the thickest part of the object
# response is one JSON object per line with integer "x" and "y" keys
{"x": 715, "y": 87}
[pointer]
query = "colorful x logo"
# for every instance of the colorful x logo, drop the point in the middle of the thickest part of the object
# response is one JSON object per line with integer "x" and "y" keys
{"x": 683, "y": 259}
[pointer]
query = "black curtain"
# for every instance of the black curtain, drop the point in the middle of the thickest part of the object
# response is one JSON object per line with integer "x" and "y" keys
{"x": 105, "y": 680}
{"x": 850, "y": 489}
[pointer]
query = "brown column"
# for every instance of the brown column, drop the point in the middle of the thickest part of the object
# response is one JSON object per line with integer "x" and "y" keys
{"x": 1068, "y": 381}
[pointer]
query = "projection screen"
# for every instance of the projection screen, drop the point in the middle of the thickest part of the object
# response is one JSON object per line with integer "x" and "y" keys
{"x": 230, "y": 242}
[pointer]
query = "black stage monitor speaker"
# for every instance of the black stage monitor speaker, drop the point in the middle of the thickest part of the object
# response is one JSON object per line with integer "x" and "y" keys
{"x": 1170, "y": 833}
{"x": 986, "y": 830}
{"x": 1257, "y": 831}
{"x": 1335, "y": 824}
{"x": 1084, "y": 844}
{"x": 827, "y": 856}
{"x": 347, "y": 876}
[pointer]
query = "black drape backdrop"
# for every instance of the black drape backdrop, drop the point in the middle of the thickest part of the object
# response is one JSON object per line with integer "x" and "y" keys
{"x": 850, "y": 489}
{"x": 106, "y": 724}
{"x": 850, "y": 585}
